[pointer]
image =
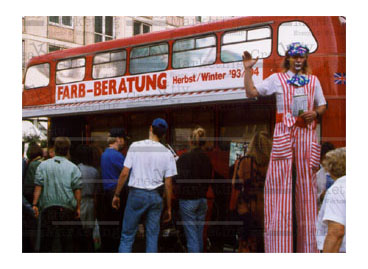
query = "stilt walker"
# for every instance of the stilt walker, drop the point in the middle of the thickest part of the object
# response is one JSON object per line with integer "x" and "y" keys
{"x": 300, "y": 101}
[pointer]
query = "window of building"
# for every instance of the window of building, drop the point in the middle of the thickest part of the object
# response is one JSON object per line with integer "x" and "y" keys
{"x": 104, "y": 28}
{"x": 61, "y": 20}
{"x": 37, "y": 76}
{"x": 70, "y": 70}
{"x": 109, "y": 64}
{"x": 257, "y": 42}
{"x": 175, "y": 20}
{"x": 141, "y": 28}
{"x": 149, "y": 58}
{"x": 295, "y": 31}
{"x": 53, "y": 48}
{"x": 194, "y": 52}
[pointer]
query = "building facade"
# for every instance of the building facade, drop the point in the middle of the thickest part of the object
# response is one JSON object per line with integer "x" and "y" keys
{"x": 45, "y": 34}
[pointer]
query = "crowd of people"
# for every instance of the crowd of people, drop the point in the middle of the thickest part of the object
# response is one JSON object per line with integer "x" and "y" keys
{"x": 276, "y": 189}
{"x": 73, "y": 198}
{"x": 63, "y": 202}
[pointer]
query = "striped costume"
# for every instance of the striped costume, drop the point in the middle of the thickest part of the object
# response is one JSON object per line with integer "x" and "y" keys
{"x": 293, "y": 141}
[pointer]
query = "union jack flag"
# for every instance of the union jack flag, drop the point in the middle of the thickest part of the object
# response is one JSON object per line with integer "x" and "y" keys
{"x": 340, "y": 78}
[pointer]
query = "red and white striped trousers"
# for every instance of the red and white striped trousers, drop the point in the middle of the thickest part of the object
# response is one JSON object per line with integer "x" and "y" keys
{"x": 298, "y": 144}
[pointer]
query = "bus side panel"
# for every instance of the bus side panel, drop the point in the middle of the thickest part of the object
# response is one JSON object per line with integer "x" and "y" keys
{"x": 43, "y": 95}
{"x": 334, "y": 120}
{"x": 40, "y": 96}
{"x": 334, "y": 123}
{"x": 329, "y": 64}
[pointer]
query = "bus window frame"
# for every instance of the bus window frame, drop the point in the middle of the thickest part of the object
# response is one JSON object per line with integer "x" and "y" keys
{"x": 306, "y": 24}
{"x": 111, "y": 51}
{"x": 71, "y": 58}
{"x": 195, "y": 38}
{"x": 246, "y": 41}
{"x": 25, "y": 76}
{"x": 149, "y": 45}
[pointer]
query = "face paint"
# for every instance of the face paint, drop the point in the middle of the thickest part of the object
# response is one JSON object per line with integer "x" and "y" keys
{"x": 298, "y": 66}
{"x": 297, "y": 63}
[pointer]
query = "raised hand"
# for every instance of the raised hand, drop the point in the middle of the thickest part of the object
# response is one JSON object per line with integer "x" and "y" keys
{"x": 248, "y": 62}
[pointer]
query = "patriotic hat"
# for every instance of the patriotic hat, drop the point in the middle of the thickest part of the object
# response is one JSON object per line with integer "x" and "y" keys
{"x": 296, "y": 48}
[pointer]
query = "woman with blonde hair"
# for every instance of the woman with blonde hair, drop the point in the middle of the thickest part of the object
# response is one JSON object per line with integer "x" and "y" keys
{"x": 260, "y": 148}
{"x": 248, "y": 192}
{"x": 192, "y": 182}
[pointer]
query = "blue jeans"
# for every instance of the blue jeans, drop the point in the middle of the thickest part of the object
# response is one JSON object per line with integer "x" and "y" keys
{"x": 141, "y": 202}
{"x": 193, "y": 216}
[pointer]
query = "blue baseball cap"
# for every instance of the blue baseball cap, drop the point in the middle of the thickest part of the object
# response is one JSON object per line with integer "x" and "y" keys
{"x": 160, "y": 123}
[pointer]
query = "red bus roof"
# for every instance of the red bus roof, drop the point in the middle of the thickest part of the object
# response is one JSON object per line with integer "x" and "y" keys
{"x": 157, "y": 36}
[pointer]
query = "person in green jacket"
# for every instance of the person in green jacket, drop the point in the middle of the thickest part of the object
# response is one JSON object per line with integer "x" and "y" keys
{"x": 57, "y": 196}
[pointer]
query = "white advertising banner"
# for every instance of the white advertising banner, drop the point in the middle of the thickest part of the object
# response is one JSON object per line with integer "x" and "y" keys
{"x": 220, "y": 76}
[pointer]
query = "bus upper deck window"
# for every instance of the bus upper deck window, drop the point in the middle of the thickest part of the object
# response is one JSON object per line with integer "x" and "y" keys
{"x": 37, "y": 76}
{"x": 70, "y": 70}
{"x": 160, "y": 49}
{"x": 295, "y": 31}
{"x": 205, "y": 42}
{"x": 194, "y": 52}
{"x": 257, "y": 41}
{"x": 149, "y": 59}
{"x": 109, "y": 64}
{"x": 181, "y": 45}
{"x": 259, "y": 33}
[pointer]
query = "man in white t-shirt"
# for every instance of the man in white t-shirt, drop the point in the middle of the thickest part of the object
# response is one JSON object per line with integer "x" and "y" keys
{"x": 149, "y": 163}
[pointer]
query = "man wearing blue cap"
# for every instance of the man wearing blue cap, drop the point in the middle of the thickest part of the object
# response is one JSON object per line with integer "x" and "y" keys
{"x": 112, "y": 163}
{"x": 151, "y": 166}
{"x": 299, "y": 101}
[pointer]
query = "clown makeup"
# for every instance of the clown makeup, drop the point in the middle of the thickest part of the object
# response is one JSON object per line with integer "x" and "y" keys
{"x": 296, "y": 63}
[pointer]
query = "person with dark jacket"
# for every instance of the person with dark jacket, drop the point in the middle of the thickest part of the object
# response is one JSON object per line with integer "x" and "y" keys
{"x": 34, "y": 154}
{"x": 192, "y": 182}
{"x": 29, "y": 224}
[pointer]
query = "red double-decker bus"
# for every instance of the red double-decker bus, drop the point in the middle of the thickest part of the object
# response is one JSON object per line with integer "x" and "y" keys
{"x": 190, "y": 76}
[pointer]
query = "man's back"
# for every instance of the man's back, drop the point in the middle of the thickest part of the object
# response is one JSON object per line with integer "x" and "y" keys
{"x": 150, "y": 163}
{"x": 59, "y": 178}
